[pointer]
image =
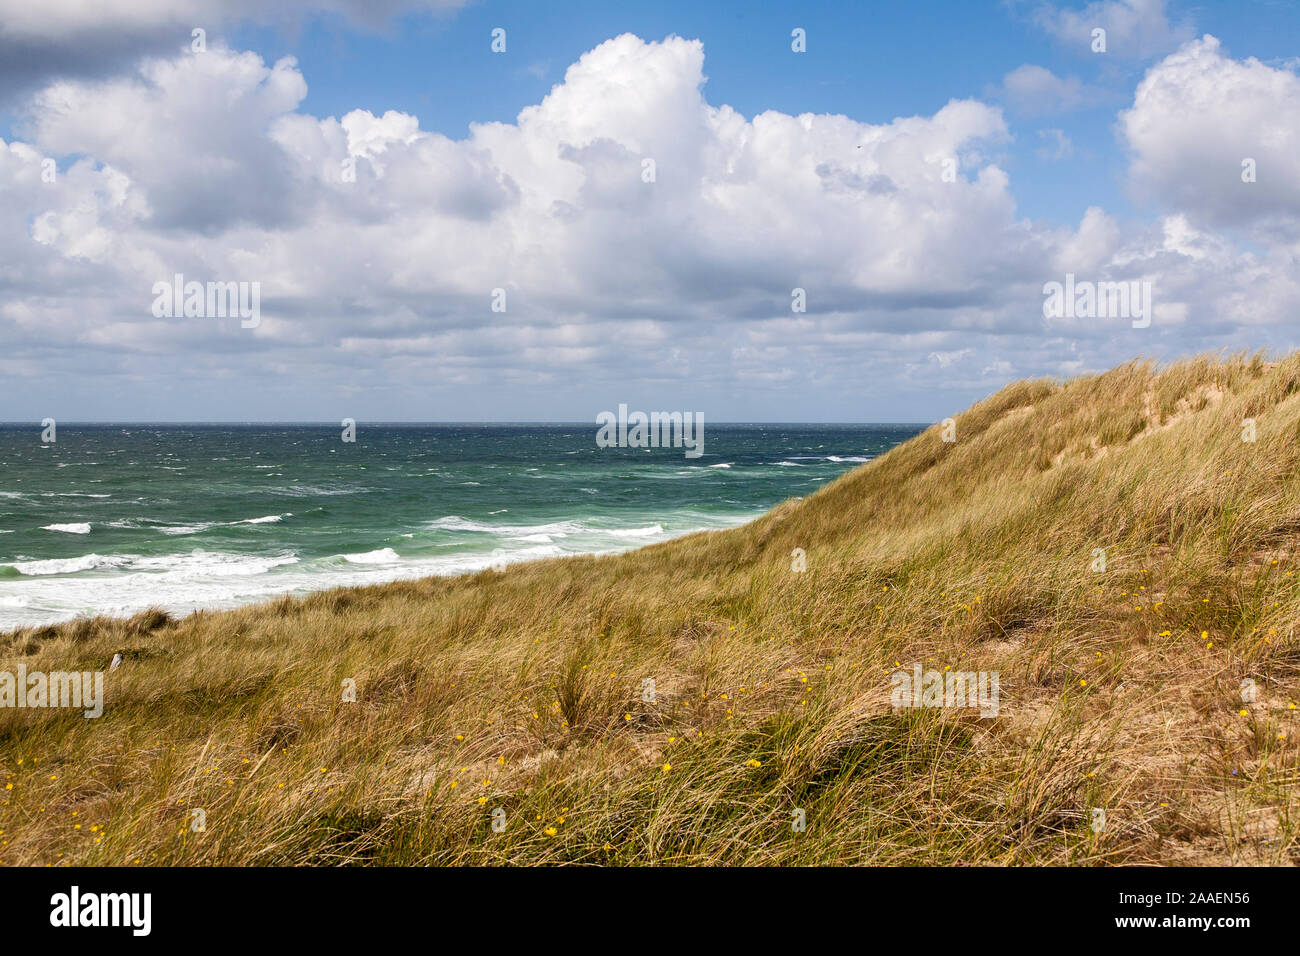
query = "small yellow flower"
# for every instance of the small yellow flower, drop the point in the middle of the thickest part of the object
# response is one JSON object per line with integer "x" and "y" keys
{"x": 551, "y": 831}
{"x": 667, "y": 767}
{"x": 753, "y": 763}
{"x": 1244, "y": 712}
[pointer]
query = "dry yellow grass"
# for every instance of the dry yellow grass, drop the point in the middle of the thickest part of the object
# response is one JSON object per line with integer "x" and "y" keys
{"x": 522, "y": 690}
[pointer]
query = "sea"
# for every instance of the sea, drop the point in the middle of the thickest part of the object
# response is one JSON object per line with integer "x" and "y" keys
{"x": 113, "y": 519}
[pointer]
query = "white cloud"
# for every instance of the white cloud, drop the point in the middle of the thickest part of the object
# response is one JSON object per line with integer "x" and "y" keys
{"x": 379, "y": 289}
{"x": 1134, "y": 28}
{"x": 98, "y": 38}
{"x": 1033, "y": 90}
{"x": 1057, "y": 145}
{"x": 65, "y": 19}
{"x": 1196, "y": 117}
{"x": 194, "y": 129}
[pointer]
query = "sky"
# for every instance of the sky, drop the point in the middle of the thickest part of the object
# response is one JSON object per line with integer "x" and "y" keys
{"x": 804, "y": 211}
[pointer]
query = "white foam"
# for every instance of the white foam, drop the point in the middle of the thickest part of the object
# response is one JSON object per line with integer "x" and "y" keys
{"x": 204, "y": 525}
{"x": 382, "y": 556}
{"x": 60, "y": 589}
{"x": 186, "y": 567}
{"x": 170, "y": 566}
{"x": 81, "y": 528}
{"x": 87, "y": 562}
{"x": 646, "y": 532}
{"x": 554, "y": 528}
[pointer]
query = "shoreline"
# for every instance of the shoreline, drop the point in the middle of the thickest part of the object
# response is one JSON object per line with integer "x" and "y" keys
{"x": 179, "y": 613}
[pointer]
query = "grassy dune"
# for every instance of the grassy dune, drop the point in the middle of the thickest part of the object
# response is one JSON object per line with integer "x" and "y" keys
{"x": 522, "y": 690}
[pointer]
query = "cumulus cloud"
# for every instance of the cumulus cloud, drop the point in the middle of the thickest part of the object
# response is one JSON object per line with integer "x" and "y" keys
{"x": 556, "y": 204}
{"x": 1033, "y": 90}
{"x": 73, "y": 38}
{"x": 639, "y": 233}
{"x": 195, "y": 130}
{"x": 1202, "y": 123}
{"x": 1137, "y": 29}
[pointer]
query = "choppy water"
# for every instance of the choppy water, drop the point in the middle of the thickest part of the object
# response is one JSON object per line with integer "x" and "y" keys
{"x": 112, "y": 519}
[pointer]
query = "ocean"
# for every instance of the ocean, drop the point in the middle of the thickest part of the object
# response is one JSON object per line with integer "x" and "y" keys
{"x": 113, "y": 519}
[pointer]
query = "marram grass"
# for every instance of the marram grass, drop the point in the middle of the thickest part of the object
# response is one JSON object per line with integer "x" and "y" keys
{"x": 1120, "y": 690}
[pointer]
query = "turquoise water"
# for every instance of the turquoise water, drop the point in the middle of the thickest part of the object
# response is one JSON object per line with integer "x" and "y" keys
{"x": 111, "y": 519}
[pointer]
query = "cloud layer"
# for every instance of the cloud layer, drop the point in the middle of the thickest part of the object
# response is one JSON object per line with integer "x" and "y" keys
{"x": 644, "y": 239}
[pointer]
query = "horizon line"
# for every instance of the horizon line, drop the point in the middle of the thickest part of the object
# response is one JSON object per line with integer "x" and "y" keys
{"x": 333, "y": 424}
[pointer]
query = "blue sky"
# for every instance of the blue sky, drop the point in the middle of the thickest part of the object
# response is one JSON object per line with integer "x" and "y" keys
{"x": 477, "y": 171}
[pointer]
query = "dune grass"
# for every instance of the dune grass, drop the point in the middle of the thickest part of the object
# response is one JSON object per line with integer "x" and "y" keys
{"x": 524, "y": 690}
